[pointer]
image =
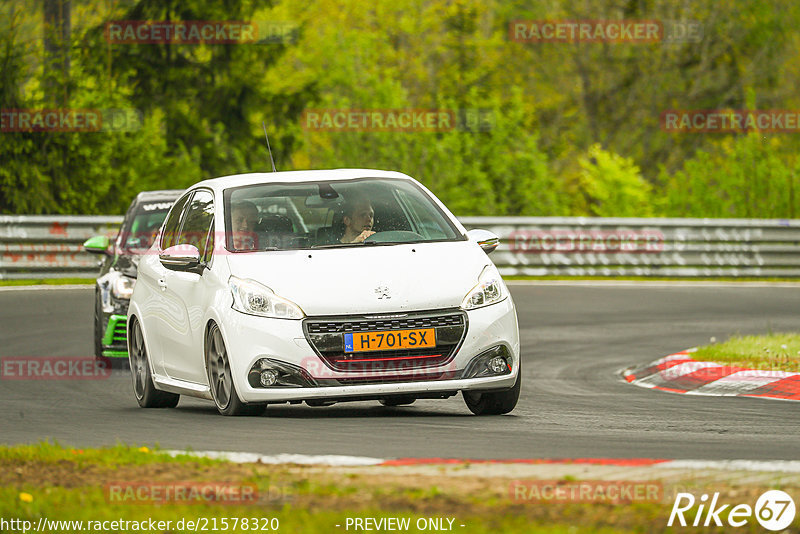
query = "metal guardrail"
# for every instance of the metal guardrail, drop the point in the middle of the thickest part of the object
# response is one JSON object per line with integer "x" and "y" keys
{"x": 50, "y": 246}
{"x": 652, "y": 247}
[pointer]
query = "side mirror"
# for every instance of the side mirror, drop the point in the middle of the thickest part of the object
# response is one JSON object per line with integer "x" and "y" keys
{"x": 487, "y": 240}
{"x": 182, "y": 258}
{"x": 97, "y": 244}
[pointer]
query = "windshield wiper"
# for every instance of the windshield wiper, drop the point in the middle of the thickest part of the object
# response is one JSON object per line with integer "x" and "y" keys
{"x": 265, "y": 249}
{"x": 337, "y": 245}
{"x": 402, "y": 242}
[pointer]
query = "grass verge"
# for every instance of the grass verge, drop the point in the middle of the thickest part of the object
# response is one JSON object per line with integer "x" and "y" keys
{"x": 47, "y": 282}
{"x": 63, "y": 484}
{"x": 778, "y": 352}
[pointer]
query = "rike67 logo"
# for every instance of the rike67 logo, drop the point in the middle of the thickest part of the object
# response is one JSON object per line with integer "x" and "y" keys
{"x": 774, "y": 510}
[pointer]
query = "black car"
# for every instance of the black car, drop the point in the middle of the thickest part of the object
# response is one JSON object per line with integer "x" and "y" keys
{"x": 119, "y": 266}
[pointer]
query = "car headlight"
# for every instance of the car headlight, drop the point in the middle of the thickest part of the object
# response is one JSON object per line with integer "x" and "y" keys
{"x": 490, "y": 290}
{"x": 256, "y": 299}
{"x": 122, "y": 287}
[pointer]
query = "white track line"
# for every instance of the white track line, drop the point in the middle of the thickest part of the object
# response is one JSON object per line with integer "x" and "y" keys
{"x": 776, "y": 466}
{"x": 46, "y": 287}
{"x": 650, "y": 283}
{"x": 771, "y": 466}
{"x": 276, "y": 459}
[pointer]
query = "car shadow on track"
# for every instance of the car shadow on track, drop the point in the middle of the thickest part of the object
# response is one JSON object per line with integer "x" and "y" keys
{"x": 340, "y": 412}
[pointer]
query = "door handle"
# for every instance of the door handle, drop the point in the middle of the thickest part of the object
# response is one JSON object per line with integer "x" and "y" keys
{"x": 162, "y": 284}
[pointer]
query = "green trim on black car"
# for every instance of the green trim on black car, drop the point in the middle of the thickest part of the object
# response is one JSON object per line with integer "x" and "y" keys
{"x": 98, "y": 244}
{"x": 115, "y": 353}
{"x": 116, "y": 331}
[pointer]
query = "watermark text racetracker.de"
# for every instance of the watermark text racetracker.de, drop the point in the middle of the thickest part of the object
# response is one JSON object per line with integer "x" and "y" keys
{"x": 189, "y": 492}
{"x": 398, "y": 120}
{"x": 194, "y": 32}
{"x": 70, "y": 120}
{"x": 53, "y": 368}
{"x": 194, "y": 492}
{"x": 730, "y": 120}
{"x": 382, "y": 369}
{"x": 526, "y": 241}
{"x": 605, "y": 31}
{"x": 535, "y": 241}
{"x": 706, "y": 371}
{"x": 586, "y": 491}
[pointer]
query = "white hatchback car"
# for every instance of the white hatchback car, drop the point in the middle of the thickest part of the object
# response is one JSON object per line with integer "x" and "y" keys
{"x": 320, "y": 286}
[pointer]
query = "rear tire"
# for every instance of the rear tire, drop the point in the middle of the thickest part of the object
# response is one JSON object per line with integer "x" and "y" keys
{"x": 220, "y": 378}
{"x": 494, "y": 402}
{"x": 143, "y": 387}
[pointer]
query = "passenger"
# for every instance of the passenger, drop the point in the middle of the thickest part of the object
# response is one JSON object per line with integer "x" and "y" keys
{"x": 358, "y": 220}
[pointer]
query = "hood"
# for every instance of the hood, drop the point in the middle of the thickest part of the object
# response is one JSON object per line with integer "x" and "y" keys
{"x": 368, "y": 279}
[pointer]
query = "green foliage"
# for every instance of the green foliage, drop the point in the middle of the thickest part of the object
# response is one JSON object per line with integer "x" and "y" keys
{"x": 613, "y": 185}
{"x": 547, "y": 108}
{"x": 194, "y": 112}
{"x": 744, "y": 176}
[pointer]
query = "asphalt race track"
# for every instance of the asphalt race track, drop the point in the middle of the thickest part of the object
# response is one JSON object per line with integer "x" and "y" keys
{"x": 574, "y": 340}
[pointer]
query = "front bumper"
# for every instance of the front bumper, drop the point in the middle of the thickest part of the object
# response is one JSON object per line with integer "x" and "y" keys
{"x": 249, "y": 339}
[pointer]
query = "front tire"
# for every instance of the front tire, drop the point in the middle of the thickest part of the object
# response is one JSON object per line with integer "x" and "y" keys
{"x": 143, "y": 388}
{"x": 220, "y": 378}
{"x": 98, "y": 327}
{"x": 494, "y": 402}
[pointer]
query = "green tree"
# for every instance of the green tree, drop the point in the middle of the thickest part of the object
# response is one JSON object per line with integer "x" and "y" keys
{"x": 750, "y": 175}
{"x": 198, "y": 109}
{"x": 613, "y": 186}
{"x": 423, "y": 54}
{"x": 214, "y": 97}
{"x": 82, "y": 171}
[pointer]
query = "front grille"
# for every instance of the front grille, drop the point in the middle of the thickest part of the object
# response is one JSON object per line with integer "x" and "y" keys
{"x": 364, "y": 380}
{"x": 326, "y": 336}
{"x": 350, "y": 325}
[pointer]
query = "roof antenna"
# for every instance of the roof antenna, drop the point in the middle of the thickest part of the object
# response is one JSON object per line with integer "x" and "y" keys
{"x": 268, "y": 148}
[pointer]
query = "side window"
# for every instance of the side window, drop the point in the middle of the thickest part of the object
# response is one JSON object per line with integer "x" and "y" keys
{"x": 197, "y": 222}
{"x": 170, "y": 236}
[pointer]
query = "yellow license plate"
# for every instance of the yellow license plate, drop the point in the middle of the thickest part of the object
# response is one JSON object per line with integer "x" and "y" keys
{"x": 390, "y": 340}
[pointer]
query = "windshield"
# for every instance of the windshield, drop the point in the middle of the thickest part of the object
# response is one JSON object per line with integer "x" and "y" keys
{"x": 332, "y": 214}
{"x": 142, "y": 228}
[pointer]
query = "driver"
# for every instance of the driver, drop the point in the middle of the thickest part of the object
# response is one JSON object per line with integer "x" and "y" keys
{"x": 358, "y": 220}
{"x": 244, "y": 217}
